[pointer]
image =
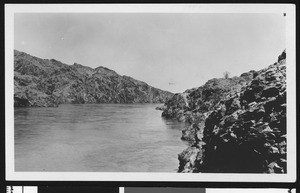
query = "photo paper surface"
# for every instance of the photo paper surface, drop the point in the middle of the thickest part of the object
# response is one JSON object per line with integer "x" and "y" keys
{"x": 150, "y": 92}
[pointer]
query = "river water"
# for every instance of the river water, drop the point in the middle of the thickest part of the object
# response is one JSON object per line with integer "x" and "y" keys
{"x": 96, "y": 137}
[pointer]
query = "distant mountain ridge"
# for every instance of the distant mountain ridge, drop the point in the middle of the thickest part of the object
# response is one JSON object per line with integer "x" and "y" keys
{"x": 47, "y": 83}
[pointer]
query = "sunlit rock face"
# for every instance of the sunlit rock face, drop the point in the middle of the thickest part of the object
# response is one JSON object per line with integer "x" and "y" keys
{"x": 48, "y": 83}
{"x": 237, "y": 125}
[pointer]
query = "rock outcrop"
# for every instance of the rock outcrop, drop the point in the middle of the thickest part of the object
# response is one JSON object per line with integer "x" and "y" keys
{"x": 47, "y": 83}
{"x": 193, "y": 105}
{"x": 237, "y": 125}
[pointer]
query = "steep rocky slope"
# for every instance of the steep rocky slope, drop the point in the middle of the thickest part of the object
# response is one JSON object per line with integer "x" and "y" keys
{"x": 42, "y": 83}
{"x": 193, "y": 105}
{"x": 237, "y": 125}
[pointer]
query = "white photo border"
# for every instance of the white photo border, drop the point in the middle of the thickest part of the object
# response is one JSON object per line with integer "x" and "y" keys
{"x": 289, "y": 9}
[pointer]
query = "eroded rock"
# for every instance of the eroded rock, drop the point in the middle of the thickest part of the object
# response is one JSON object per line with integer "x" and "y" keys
{"x": 50, "y": 83}
{"x": 245, "y": 126}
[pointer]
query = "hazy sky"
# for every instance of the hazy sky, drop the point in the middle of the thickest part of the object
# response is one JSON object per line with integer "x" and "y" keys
{"x": 158, "y": 48}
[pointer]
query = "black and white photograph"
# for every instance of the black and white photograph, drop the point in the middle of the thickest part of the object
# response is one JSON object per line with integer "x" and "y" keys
{"x": 150, "y": 92}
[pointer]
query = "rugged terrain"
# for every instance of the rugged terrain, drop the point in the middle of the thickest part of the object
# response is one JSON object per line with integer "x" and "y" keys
{"x": 48, "y": 83}
{"x": 237, "y": 125}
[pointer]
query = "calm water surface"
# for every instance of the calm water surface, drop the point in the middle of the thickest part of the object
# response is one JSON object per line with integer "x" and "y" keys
{"x": 96, "y": 137}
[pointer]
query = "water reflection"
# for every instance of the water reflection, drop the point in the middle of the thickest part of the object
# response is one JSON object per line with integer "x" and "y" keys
{"x": 102, "y": 137}
{"x": 173, "y": 124}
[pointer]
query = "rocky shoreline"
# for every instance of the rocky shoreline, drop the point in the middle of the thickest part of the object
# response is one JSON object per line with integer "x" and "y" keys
{"x": 236, "y": 125}
{"x": 48, "y": 83}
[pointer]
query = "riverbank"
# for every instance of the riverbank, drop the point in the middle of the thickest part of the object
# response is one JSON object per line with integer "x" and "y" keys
{"x": 237, "y": 125}
{"x": 49, "y": 83}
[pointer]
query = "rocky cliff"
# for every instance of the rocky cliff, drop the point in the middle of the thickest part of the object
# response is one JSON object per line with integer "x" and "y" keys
{"x": 43, "y": 83}
{"x": 237, "y": 125}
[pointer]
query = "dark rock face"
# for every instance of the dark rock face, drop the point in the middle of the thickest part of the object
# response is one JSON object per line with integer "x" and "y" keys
{"x": 194, "y": 102}
{"x": 193, "y": 105}
{"x": 251, "y": 137}
{"x": 48, "y": 83}
{"x": 239, "y": 130}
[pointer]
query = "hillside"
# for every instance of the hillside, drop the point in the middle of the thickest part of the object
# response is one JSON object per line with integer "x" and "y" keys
{"x": 237, "y": 125}
{"x": 48, "y": 83}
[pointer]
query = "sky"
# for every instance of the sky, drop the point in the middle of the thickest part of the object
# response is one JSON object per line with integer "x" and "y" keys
{"x": 170, "y": 51}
